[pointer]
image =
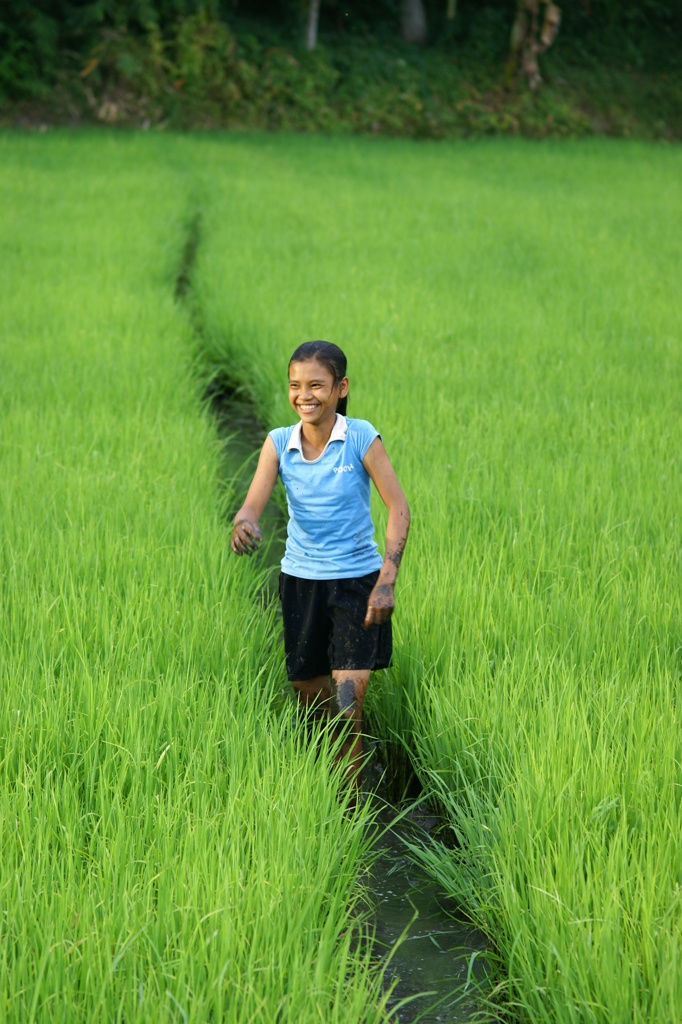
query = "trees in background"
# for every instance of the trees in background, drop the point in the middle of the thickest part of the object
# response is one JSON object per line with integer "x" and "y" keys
{"x": 41, "y": 40}
{"x": 311, "y": 28}
{"x": 413, "y": 22}
{"x": 532, "y": 33}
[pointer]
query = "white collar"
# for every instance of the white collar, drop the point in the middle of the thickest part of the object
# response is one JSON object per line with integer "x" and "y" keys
{"x": 339, "y": 431}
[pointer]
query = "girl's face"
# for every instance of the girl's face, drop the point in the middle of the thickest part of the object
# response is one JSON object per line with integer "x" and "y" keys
{"x": 313, "y": 392}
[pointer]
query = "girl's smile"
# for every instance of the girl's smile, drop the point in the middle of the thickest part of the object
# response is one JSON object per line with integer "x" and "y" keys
{"x": 314, "y": 392}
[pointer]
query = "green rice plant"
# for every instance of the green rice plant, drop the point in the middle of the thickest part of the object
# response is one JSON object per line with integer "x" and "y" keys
{"x": 511, "y": 321}
{"x": 170, "y": 848}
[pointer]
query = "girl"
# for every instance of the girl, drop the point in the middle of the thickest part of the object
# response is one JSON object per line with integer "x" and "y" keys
{"x": 336, "y": 591}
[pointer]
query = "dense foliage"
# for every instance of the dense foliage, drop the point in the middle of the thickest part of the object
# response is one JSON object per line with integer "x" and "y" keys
{"x": 243, "y": 63}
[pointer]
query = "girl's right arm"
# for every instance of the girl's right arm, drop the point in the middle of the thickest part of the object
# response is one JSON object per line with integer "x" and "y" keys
{"x": 246, "y": 535}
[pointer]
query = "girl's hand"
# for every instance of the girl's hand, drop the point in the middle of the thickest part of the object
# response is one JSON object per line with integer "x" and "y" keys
{"x": 246, "y": 537}
{"x": 380, "y": 604}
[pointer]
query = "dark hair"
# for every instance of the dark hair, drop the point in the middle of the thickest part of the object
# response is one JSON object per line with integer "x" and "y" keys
{"x": 331, "y": 357}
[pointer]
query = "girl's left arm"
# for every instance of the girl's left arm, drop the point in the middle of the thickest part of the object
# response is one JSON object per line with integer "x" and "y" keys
{"x": 377, "y": 463}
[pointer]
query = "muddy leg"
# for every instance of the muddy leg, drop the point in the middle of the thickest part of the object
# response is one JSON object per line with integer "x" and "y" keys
{"x": 349, "y": 687}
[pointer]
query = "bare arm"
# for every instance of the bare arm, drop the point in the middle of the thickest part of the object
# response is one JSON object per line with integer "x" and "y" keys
{"x": 246, "y": 534}
{"x": 377, "y": 463}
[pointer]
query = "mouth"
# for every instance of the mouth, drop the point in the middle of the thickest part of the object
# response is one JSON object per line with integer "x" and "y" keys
{"x": 306, "y": 408}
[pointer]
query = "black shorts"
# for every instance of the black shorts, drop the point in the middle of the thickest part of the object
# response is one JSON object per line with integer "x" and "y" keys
{"x": 324, "y": 626}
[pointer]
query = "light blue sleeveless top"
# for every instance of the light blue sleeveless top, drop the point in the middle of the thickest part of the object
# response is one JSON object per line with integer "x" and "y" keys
{"x": 330, "y": 534}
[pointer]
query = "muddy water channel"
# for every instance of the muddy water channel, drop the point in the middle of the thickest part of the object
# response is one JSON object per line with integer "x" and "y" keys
{"x": 440, "y": 963}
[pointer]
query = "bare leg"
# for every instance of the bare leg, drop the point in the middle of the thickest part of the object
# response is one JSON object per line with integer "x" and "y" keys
{"x": 315, "y": 696}
{"x": 349, "y": 688}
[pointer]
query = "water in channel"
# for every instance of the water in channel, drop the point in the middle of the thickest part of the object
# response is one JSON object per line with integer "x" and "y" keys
{"x": 440, "y": 952}
{"x": 440, "y": 965}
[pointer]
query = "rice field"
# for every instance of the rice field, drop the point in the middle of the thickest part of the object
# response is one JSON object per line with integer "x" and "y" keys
{"x": 171, "y": 848}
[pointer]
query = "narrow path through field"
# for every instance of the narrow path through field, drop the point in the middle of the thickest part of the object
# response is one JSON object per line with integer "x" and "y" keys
{"x": 440, "y": 961}
{"x": 440, "y": 953}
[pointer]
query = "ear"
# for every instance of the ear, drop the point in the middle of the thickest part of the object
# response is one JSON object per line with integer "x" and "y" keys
{"x": 343, "y": 387}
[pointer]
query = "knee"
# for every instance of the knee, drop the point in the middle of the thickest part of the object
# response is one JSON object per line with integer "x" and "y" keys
{"x": 312, "y": 689}
{"x": 345, "y": 698}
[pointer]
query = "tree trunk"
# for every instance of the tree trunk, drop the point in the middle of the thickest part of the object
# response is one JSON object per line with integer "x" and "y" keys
{"x": 311, "y": 30}
{"x": 451, "y": 10}
{"x": 525, "y": 46}
{"x": 413, "y": 22}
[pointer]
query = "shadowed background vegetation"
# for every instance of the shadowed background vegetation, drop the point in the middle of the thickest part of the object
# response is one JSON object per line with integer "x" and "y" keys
{"x": 612, "y": 68}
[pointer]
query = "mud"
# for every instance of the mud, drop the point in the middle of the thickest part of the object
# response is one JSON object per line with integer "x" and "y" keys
{"x": 440, "y": 965}
{"x": 344, "y": 696}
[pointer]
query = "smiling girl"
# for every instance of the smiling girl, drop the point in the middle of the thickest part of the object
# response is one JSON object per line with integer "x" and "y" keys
{"x": 337, "y": 592}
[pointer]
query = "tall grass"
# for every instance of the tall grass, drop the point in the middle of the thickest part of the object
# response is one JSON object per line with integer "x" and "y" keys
{"x": 513, "y": 327}
{"x": 170, "y": 848}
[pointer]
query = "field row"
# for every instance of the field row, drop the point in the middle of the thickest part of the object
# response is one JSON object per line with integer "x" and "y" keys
{"x": 511, "y": 318}
{"x": 170, "y": 848}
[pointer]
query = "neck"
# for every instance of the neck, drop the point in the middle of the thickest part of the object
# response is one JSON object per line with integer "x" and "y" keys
{"x": 318, "y": 434}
